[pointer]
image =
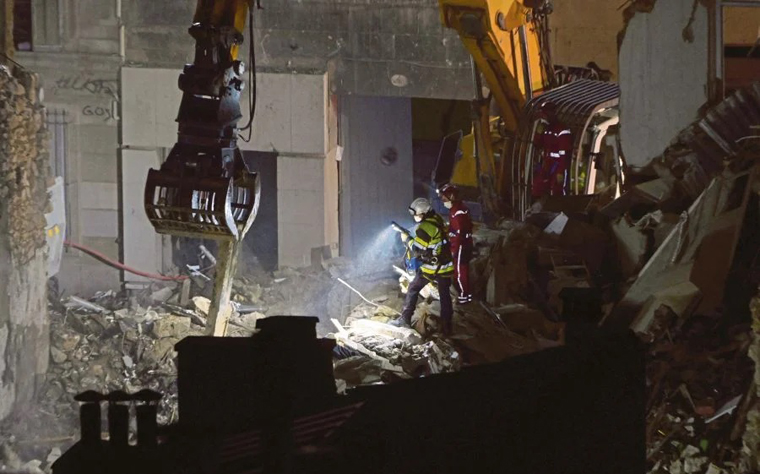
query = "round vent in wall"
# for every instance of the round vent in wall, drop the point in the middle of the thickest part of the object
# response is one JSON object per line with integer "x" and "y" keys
{"x": 389, "y": 156}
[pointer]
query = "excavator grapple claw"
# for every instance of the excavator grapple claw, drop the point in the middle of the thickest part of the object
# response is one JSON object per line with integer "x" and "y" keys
{"x": 199, "y": 193}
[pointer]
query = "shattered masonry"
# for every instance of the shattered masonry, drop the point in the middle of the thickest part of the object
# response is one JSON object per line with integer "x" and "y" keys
{"x": 24, "y": 173}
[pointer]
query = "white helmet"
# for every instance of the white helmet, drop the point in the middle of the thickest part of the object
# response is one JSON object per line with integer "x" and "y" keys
{"x": 420, "y": 206}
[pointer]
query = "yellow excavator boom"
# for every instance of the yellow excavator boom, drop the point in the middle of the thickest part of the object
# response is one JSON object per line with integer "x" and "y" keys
{"x": 504, "y": 46}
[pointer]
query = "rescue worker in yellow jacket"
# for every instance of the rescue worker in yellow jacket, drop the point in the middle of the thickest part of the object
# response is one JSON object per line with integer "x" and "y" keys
{"x": 430, "y": 244}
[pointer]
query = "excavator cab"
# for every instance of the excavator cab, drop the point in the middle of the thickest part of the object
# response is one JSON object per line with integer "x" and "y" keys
{"x": 204, "y": 188}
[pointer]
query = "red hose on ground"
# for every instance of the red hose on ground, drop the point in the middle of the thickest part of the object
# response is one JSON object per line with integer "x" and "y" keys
{"x": 108, "y": 261}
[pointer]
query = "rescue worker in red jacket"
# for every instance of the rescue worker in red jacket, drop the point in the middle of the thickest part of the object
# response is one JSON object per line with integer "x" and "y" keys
{"x": 554, "y": 146}
{"x": 460, "y": 237}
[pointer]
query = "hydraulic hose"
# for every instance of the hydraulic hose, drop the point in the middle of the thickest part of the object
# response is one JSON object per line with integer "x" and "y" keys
{"x": 99, "y": 256}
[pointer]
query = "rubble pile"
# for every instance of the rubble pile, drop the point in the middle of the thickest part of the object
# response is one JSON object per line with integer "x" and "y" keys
{"x": 374, "y": 352}
{"x": 106, "y": 343}
{"x": 699, "y": 385}
{"x": 750, "y": 456}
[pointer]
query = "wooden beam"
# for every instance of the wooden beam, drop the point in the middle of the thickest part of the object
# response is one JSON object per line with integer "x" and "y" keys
{"x": 220, "y": 311}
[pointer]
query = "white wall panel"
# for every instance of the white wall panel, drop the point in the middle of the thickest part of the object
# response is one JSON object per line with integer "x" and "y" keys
{"x": 142, "y": 245}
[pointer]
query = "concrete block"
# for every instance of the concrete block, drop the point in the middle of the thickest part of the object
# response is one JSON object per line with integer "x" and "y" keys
{"x": 168, "y": 98}
{"x": 107, "y": 246}
{"x": 321, "y": 44}
{"x": 301, "y": 207}
{"x": 278, "y": 16}
{"x": 150, "y": 104}
{"x": 333, "y": 19}
{"x": 308, "y": 113}
{"x": 102, "y": 196}
{"x": 295, "y": 242}
{"x": 370, "y": 45}
{"x": 107, "y": 31}
{"x": 432, "y": 81}
{"x": 372, "y": 78}
{"x": 149, "y": 12}
{"x": 99, "y": 223}
{"x": 97, "y": 167}
{"x": 138, "y": 108}
{"x": 429, "y": 22}
{"x": 272, "y": 123}
{"x": 399, "y": 20}
{"x": 420, "y": 48}
{"x": 142, "y": 246}
{"x": 367, "y": 20}
{"x": 99, "y": 45}
{"x": 456, "y": 54}
{"x": 300, "y": 174}
{"x": 331, "y": 200}
{"x": 81, "y": 275}
{"x": 167, "y": 46}
{"x": 71, "y": 194}
{"x": 98, "y": 138}
{"x": 92, "y": 12}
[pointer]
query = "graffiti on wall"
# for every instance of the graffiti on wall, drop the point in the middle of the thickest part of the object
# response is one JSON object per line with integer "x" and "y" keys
{"x": 104, "y": 113}
{"x": 91, "y": 85}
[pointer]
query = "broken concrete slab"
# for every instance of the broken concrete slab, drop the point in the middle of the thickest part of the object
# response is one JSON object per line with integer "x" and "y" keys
{"x": 171, "y": 326}
{"x": 632, "y": 245}
{"x": 405, "y": 334}
{"x": 699, "y": 250}
{"x": 162, "y": 295}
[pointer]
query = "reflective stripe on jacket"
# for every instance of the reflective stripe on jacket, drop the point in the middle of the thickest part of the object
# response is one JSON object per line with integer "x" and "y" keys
{"x": 431, "y": 245}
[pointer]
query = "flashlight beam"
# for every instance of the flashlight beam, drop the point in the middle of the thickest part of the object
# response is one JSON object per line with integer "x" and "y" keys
{"x": 365, "y": 299}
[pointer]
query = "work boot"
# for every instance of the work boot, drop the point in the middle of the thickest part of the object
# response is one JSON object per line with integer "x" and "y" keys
{"x": 400, "y": 322}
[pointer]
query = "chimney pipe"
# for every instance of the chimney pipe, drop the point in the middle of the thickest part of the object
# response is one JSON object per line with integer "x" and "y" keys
{"x": 89, "y": 415}
{"x": 118, "y": 419}
{"x": 147, "y": 427}
{"x": 89, "y": 419}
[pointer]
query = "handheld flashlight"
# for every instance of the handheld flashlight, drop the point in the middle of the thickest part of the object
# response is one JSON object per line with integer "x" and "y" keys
{"x": 398, "y": 228}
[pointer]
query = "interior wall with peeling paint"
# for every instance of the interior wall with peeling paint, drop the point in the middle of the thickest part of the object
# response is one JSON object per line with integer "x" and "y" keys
{"x": 663, "y": 76}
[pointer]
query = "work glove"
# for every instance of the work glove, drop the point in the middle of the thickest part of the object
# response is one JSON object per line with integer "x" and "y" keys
{"x": 404, "y": 236}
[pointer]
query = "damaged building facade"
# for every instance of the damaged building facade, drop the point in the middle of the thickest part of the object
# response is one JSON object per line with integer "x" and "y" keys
{"x": 109, "y": 72}
{"x": 352, "y": 103}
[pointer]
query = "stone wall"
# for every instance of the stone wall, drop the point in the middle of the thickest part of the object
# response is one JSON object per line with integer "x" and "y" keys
{"x": 78, "y": 66}
{"x": 24, "y": 174}
{"x": 363, "y": 45}
{"x": 378, "y": 48}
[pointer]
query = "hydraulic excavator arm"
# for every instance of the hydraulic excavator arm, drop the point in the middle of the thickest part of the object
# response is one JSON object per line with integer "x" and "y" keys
{"x": 504, "y": 39}
{"x": 505, "y": 46}
{"x": 204, "y": 188}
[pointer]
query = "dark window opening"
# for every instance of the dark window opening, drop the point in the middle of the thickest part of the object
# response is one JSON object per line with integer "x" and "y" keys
{"x": 741, "y": 51}
{"x": 22, "y": 25}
